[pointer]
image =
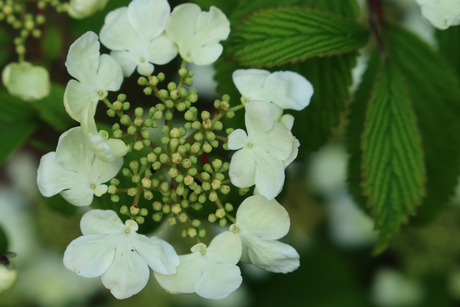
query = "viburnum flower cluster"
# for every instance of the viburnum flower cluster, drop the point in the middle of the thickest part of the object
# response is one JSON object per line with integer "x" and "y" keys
{"x": 172, "y": 179}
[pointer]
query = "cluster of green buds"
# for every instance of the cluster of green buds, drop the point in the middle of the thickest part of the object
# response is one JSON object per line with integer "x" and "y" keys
{"x": 172, "y": 175}
{"x": 25, "y": 23}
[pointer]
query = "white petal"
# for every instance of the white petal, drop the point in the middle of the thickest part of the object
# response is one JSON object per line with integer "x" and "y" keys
{"x": 157, "y": 253}
{"x": 79, "y": 98}
{"x": 161, "y": 50}
{"x": 103, "y": 171}
{"x": 287, "y": 89}
{"x": 101, "y": 222}
{"x": 287, "y": 120}
{"x": 110, "y": 75}
{"x": 100, "y": 147}
{"x": 243, "y": 168}
{"x": 145, "y": 69}
{"x": 127, "y": 60}
{"x": 118, "y": 147}
{"x": 72, "y": 153}
{"x": 271, "y": 255}
{"x": 225, "y": 248}
{"x": 237, "y": 139}
{"x": 218, "y": 280}
{"x": 248, "y": 81}
{"x": 278, "y": 141}
{"x": 128, "y": 273}
{"x": 26, "y": 81}
{"x": 206, "y": 55}
{"x": 83, "y": 58}
{"x": 211, "y": 27}
{"x": 269, "y": 177}
{"x": 181, "y": 26}
{"x": 90, "y": 256}
{"x": 259, "y": 118}
{"x": 188, "y": 272}
{"x": 52, "y": 178}
{"x": 80, "y": 194}
{"x": 83, "y": 8}
{"x": 117, "y": 32}
{"x": 294, "y": 153}
{"x": 262, "y": 218}
{"x": 148, "y": 17}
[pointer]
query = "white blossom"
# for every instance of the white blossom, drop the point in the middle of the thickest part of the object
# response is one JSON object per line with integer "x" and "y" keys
{"x": 135, "y": 34}
{"x": 114, "y": 250}
{"x": 197, "y": 33}
{"x": 211, "y": 271}
{"x": 96, "y": 74}
{"x": 441, "y": 13}
{"x": 262, "y": 151}
{"x": 285, "y": 89}
{"x": 84, "y": 8}
{"x": 259, "y": 223}
{"x": 26, "y": 81}
{"x": 74, "y": 171}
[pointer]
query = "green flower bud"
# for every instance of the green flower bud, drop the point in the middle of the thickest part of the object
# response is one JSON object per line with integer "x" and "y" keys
{"x": 193, "y": 171}
{"x": 220, "y": 176}
{"x": 146, "y": 183}
{"x": 125, "y": 120}
{"x": 134, "y": 165}
{"x": 164, "y": 158}
{"x": 169, "y": 104}
{"x": 134, "y": 210}
{"x": 207, "y": 123}
{"x": 148, "y": 194}
{"x": 224, "y": 105}
{"x": 212, "y": 218}
{"x": 216, "y": 184}
{"x": 115, "y": 181}
{"x": 217, "y": 104}
{"x": 175, "y": 95}
{"x": 112, "y": 189}
{"x": 136, "y": 178}
{"x": 193, "y": 197}
{"x": 138, "y": 145}
{"x": 121, "y": 98}
{"x": 193, "y": 98}
{"x": 124, "y": 210}
{"x": 225, "y": 189}
{"x": 164, "y": 94}
{"x": 202, "y": 233}
{"x": 171, "y": 86}
{"x": 186, "y": 163}
{"x": 140, "y": 219}
{"x": 213, "y": 196}
{"x": 196, "y": 223}
{"x": 142, "y": 81}
{"x": 126, "y": 106}
{"x": 182, "y": 149}
{"x": 189, "y": 116}
{"x": 230, "y": 114}
{"x": 164, "y": 186}
{"x": 133, "y": 191}
{"x": 157, "y": 206}
{"x": 183, "y": 72}
{"x": 172, "y": 221}
{"x": 115, "y": 198}
{"x": 156, "y": 166}
{"x": 144, "y": 212}
{"x": 157, "y": 216}
{"x": 228, "y": 207}
{"x": 126, "y": 172}
{"x": 151, "y": 157}
{"x": 153, "y": 80}
{"x": 192, "y": 232}
{"x": 205, "y": 115}
{"x": 222, "y": 222}
{"x": 193, "y": 159}
{"x": 166, "y": 209}
{"x": 184, "y": 234}
{"x": 183, "y": 92}
{"x": 215, "y": 143}
{"x": 145, "y": 134}
{"x": 207, "y": 147}
{"x": 161, "y": 77}
{"x": 148, "y": 123}
{"x": 165, "y": 140}
{"x": 173, "y": 172}
{"x": 196, "y": 125}
{"x": 168, "y": 115}
{"x": 210, "y": 136}
{"x": 197, "y": 206}
{"x": 198, "y": 136}
{"x": 202, "y": 198}
{"x": 158, "y": 115}
{"x": 226, "y": 98}
{"x": 218, "y": 125}
{"x": 148, "y": 91}
{"x": 132, "y": 130}
{"x": 157, "y": 151}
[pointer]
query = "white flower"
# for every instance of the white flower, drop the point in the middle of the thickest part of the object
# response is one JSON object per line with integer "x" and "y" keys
{"x": 288, "y": 121}
{"x": 114, "y": 250}
{"x": 135, "y": 34}
{"x": 264, "y": 149}
{"x": 74, "y": 171}
{"x": 259, "y": 223}
{"x": 285, "y": 89}
{"x": 441, "y": 13}
{"x": 96, "y": 74}
{"x": 84, "y": 8}
{"x": 198, "y": 33}
{"x": 210, "y": 272}
{"x": 26, "y": 81}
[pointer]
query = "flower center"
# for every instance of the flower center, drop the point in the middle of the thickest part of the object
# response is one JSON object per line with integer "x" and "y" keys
{"x": 93, "y": 186}
{"x": 142, "y": 60}
{"x": 250, "y": 145}
{"x": 233, "y": 228}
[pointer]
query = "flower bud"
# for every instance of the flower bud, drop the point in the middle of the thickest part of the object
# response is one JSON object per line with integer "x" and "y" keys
{"x": 148, "y": 194}
{"x": 126, "y": 106}
{"x": 193, "y": 98}
{"x": 207, "y": 123}
{"x": 207, "y": 147}
{"x": 146, "y": 183}
{"x": 124, "y": 210}
{"x": 176, "y": 158}
{"x": 222, "y": 222}
{"x": 157, "y": 216}
{"x": 115, "y": 198}
{"x": 176, "y": 209}
{"x": 183, "y": 217}
{"x": 134, "y": 210}
{"x": 196, "y": 223}
{"x": 206, "y": 186}
{"x": 218, "y": 125}
{"x": 173, "y": 172}
{"x": 133, "y": 191}
{"x": 153, "y": 80}
{"x": 213, "y": 196}
{"x": 148, "y": 91}
{"x": 202, "y": 198}
{"x": 157, "y": 206}
{"x": 140, "y": 219}
{"x": 192, "y": 232}
{"x": 225, "y": 189}
{"x": 172, "y": 221}
{"x": 216, "y": 184}
{"x": 138, "y": 145}
{"x": 132, "y": 130}
{"x": 212, "y": 218}
{"x": 125, "y": 120}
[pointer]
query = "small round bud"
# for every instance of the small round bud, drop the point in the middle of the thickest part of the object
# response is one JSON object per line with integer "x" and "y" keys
{"x": 148, "y": 91}
{"x": 138, "y": 145}
{"x": 134, "y": 165}
{"x": 220, "y": 213}
{"x": 145, "y": 134}
{"x": 144, "y": 212}
{"x": 243, "y": 191}
{"x": 164, "y": 158}
{"x": 115, "y": 198}
{"x": 173, "y": 172}
{"x": 202, "y": 198}
{"x": 126, "y": 106}
{"x": 115, "y": 181}
{"x": 166, "y": 209}
{"x": 212, "y": 218}
{"x": 186, "y": 163}
{"x": 220, "y": 176}
{"x": 148, "y": 194}
{"x": 228, "y": 207}
{"x": 124, "y": 210}
{"x": 126, "y": 172}
{"x": 188, "y": 81}
{"x": 205, "y": 115}
{"x": 193, "y": 98}
{"x": 171, "y": 86}
{"x": 156, "y": 166}
{"x": 164, "y": 186}
{"x": 146, "y": 183}
{"x": 230, "y": 114}
{"x": 198, "y": 136}
{"x": 142, "y": 81}
{"x": 217, "y": 104}
{"x": 183, "y": 72}
{"x": 215, "y": 143}
{"x": 112, "y": 189}
{"x": 188, "y": 180}
{"x": 176, "y": 209}
{"x": 151, "y": 157}
{"x": 133, "y": 191}
{"x": 182, "y": 149}
{"x": 132, "y": 130}
{"x": 189, "y": 116}
{"x": 174, "y": 143}
{"x": 121, "y": 98}
{"x": 158, "y": 115}
{"x": 134, "y": 210}
{"x": 157, "y": 206}
{"x": 165, "y": 140}
{"x": 175, "y": 94}
{"x": 222, "y": 222}
{"x": 157, "y": 216}
{"x": 207, "y": 147}
{"x": 196, "y": 125}
{"x": 206, "y": 186}
{"x": 153, "y": 80}
{"x": 175, "y": 133}
{"x": 192, "y": 232}
{"x": 169, "y": 104}
{"x": 183, "y": 217}
{"x": 140, "y": 219}
{"x": 218, "y": 125}
{"x": 210, "y": 136}
{"x": 164, "y": 94}
{"x": 196, "y": 223}
{"x": 226, "y": 98}
{"x": 215, "y": 184}
{"x": 168, "y": 115}
{"x": 125, "y": 120}
{"x": 213, "y": 196}
{"x": 148, "y": 123}
{"x": 225, "y": 189}
{"x": 172, "y": 221}
{"x": 224, "y": 105}
{"x": 139, "y": 112}
{"x": 176, "y": 158}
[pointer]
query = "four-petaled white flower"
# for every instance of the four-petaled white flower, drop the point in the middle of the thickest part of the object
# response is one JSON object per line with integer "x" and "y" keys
{"x": 84, "y": 8}
{"x": 114, "y": 250}
{"x": 285, "y": 89}
{"x": 74, "y": 171}
{"x": 263, "y": 150}
{"x": 259, "y": 223}
{"x": 210, "y": 272}
{"x": 441, "y": 13}
{"x": 197, "y": 33}
{"x": 135, "y": 34}
{"x": 26, "y": 81}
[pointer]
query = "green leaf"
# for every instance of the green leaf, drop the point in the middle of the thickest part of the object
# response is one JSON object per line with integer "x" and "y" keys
{"x": 331, "y": 78}
{"x": 393, "y": 170}
{"x": 51, "y": 109}
{"x": 349, "y": 8}
{"x": 273, "y": 37}
{"x": 355, "y": 128}
{"x": 52, "y": 43}
{"x": 435, "y": 92}
{"x": 449, "y": 46}
{"x": 17, "y": 122}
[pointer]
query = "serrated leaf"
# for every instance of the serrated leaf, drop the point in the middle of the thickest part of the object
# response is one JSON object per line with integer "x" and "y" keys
{"x": 273, "y": 37}
{"x": 17, "y": 122}
{"x": 331, "y": 78}
{"x": 355, "y": 128}
{"x": 393, "y": 170}
{"x": 435, "y": 92}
